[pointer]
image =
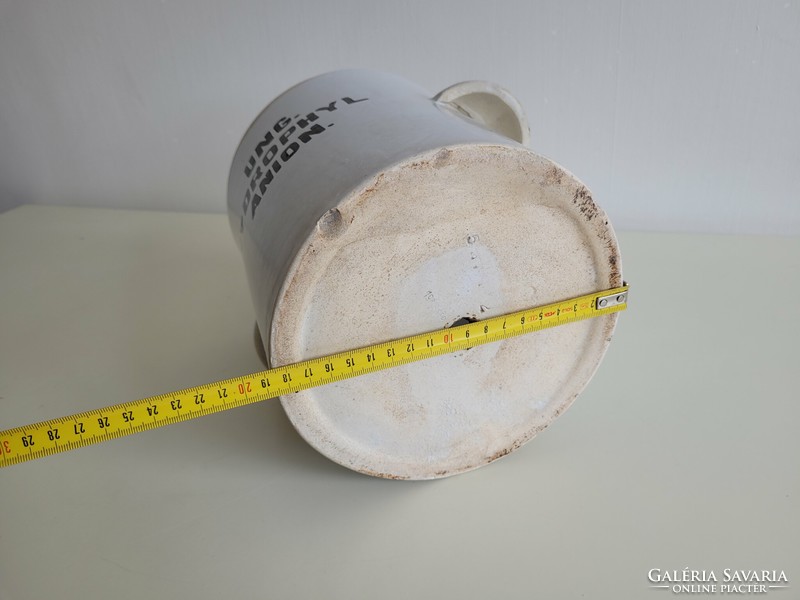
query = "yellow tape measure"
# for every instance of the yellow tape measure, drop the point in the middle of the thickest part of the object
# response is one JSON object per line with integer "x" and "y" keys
{"x": 22, "y": 444}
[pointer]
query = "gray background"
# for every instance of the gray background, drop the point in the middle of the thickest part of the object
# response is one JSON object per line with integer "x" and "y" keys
{"x": 679, "y": 115}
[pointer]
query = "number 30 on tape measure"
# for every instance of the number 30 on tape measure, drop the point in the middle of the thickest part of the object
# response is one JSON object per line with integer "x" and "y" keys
{"x": 21, "y": 444}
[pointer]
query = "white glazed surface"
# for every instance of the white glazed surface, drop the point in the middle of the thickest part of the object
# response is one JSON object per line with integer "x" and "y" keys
{"x": 464, "y": 231}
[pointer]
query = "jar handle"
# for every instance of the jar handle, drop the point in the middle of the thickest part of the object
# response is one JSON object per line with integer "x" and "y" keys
{"x": 490, "y": 105}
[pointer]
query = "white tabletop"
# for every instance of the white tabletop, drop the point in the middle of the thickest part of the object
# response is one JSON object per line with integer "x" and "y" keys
{"x": 682, "y": 452}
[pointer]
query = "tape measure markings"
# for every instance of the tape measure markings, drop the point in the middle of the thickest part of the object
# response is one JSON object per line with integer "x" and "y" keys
{"x": 21, "y": 444}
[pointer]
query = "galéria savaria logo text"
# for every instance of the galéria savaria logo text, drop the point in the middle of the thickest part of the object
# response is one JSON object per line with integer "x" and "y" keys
{"x": 727, "y": 581}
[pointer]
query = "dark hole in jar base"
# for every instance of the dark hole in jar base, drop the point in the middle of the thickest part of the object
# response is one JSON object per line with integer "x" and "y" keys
{"x": 463, "y": 321}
